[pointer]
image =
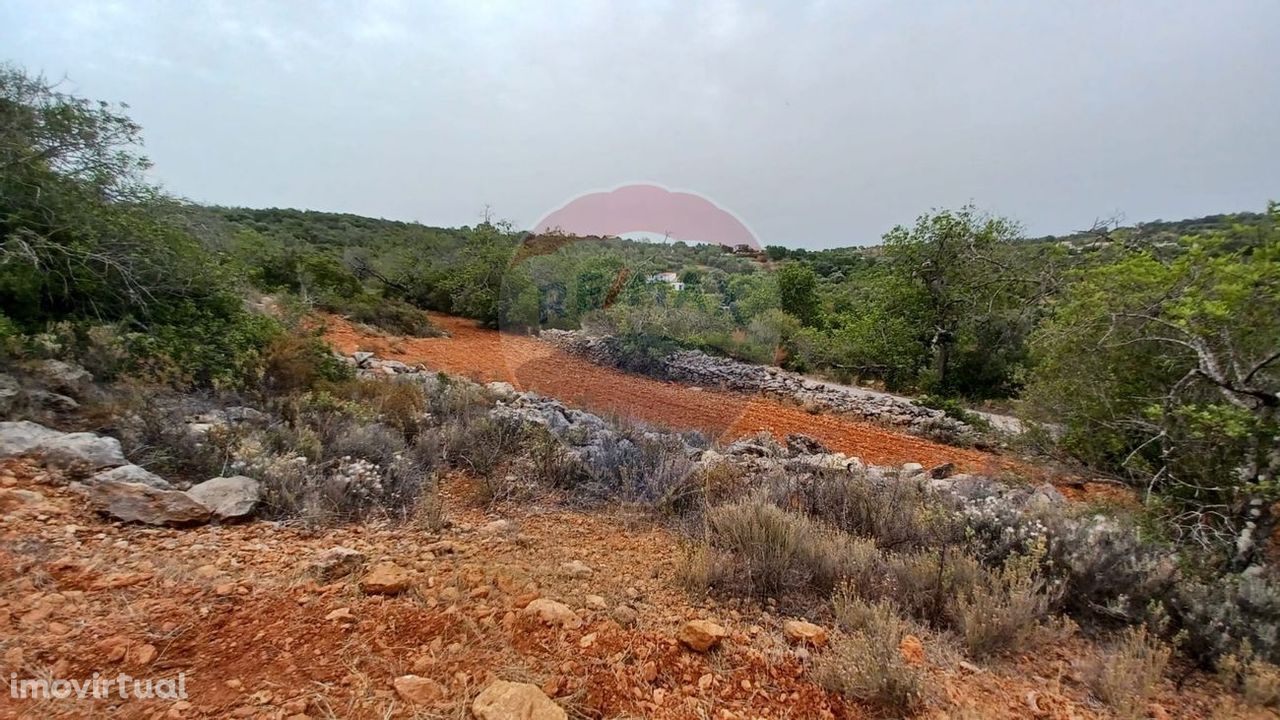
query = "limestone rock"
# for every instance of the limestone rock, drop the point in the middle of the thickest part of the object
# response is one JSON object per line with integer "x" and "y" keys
{"x": 131, "y": 474}
{"x": 10, "y": 391}
{"x": 505, "y": 700}
{"x": 82, "y": 450}
{"x": 418, "y": 690}
{"x": 553, "y": 613}
{"x": 52, "y": 401}
{"x": 385, "y": 578}
{"x": 23, "y": 437}
{"x": 624, "y": 615}
{"x": 806, "y": 633}
{"x": 228, "y": 498}
{"x": 135, "y": 502}
{"x": 701, "y": 635}
{"x": 799, "y": 444}
{"x": 64, "y": 377}
{"x": 334, "y": 563}
{"x": 576, "y": 569}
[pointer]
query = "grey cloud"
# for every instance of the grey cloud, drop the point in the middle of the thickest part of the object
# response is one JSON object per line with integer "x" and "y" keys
{"x": 818, "y": 123}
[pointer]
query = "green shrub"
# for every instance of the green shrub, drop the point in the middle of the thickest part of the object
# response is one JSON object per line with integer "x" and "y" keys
{"x": 389, "y": 314}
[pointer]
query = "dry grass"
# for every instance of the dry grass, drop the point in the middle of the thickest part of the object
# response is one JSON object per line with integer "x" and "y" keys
{"x": 868, "y": 665}
{"x": 1004, "y": 611}
{"x": 1126, "y": 675}
{"x": 1256, "y": 680}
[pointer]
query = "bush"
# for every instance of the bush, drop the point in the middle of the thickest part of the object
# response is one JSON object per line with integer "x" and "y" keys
{"x": 483, "y": 446}
{"x": 769, "y": 546}
{"x": 294, "y": 363}
{"x": 770, "y": 551}
{"x": 898, "y": 513}
{"x": 1256, "y": 680}
{"x": 401, "y": 404}
{"x": 374, "y": 442}
{"x": 1126, "y": 676}
{"x": 1222, "y": 617}
{"x": 553, "y": 465}
{"x": 631, "y": 465}
{"x": 702, "y": 567}
{"x": 926, "y": 582}
{"x": 868, "y": 665}
{"x": 1004, "y": 610}
{"x": 391, "y": 315}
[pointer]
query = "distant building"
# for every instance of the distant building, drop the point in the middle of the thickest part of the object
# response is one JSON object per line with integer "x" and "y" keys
{"x": 669, "y": 278}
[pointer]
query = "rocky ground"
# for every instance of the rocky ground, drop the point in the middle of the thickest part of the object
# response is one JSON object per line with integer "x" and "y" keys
{"x": 581, "y": 609}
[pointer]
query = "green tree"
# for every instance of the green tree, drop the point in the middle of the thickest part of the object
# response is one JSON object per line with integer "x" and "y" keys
{"x": 1168, "y": 369}
{"x": 974, "y": 297}
{"x": 798, "y": 293}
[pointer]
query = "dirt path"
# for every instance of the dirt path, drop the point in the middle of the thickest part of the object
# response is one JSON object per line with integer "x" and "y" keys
{"x": 531, "y": 364}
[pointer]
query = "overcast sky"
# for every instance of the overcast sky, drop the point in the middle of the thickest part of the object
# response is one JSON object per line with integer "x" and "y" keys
{"x": 817, "y": 124}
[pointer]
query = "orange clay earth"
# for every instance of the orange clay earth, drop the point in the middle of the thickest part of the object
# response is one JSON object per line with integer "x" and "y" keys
{"x": 532, "y": 364}
{"x": 234, "y": 610}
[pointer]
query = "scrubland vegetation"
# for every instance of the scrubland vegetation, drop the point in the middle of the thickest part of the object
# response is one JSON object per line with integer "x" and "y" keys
{"x": 1148, "y": 354}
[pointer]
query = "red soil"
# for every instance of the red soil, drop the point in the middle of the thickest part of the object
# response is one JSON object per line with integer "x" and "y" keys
{"x": 531, "y": 364}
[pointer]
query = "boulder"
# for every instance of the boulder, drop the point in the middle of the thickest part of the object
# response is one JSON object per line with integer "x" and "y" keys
{"x": 385, "y": 578}
{"x": 228, "y": 498}
{"x": 1046, "y": 495}
{"x": 805, "y": 633}
{"x": 418, "y": 690}
{"x": 130, "y": 474}
{"x": 23, "y": 436}
{"x": 701, "y": 635}
{"x": 551, "y": 612}
{"x": 82, "y": 450}
{"x": 135, "y": 502}
{"x": 334, "y": 563}
{"x": 505, "y": 700}
{"x": 64, "y": 377}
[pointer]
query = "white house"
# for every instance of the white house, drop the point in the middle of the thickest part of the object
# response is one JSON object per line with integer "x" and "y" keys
{"x": 669, "y": 278}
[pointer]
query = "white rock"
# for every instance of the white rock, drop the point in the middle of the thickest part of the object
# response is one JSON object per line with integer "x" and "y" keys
{"x": 84, "y": 450}
{"x": 228, "y": 497}
{"x": 131, "y": 474}
{"x": 23, "y": 436}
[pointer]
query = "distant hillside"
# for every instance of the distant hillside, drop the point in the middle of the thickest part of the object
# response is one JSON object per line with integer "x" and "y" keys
{"x": 1158, "y": 232}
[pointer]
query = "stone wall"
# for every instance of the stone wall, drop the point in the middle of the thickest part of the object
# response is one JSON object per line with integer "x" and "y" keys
{"x": 698, "y": 368}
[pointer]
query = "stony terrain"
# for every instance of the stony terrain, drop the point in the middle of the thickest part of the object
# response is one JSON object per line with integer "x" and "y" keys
{"x": 528, "y": 609}
{"x": 272, "y": 621}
